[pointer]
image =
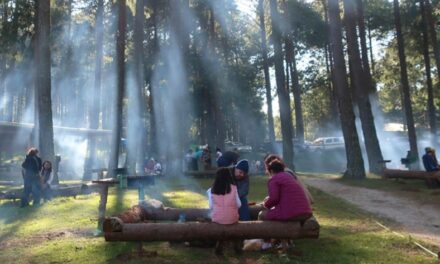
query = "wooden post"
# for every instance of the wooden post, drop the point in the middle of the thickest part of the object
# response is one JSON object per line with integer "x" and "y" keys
{"x": 102, "y": 205}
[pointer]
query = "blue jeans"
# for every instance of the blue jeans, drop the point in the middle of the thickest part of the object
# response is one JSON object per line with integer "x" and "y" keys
{"x": 243, "y": 211}
{"x": 31, "y": 186}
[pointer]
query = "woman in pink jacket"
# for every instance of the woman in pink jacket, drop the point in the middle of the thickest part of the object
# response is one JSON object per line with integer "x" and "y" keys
{"x": 287, "y": 200}
{"x": 224, "y": 203}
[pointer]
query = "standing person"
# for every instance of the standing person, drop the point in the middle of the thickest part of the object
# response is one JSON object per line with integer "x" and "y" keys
{"x": 241, "y": 174}
{"x": 224, "y": 203}
{"x": 206, "y": 158}
{"x": 46, "y": 179}
{"x": 189, "y": 160}
{"x": 31, "y": 166}
{"x": 227, "y": 159}
{"x": 218, "y": 153}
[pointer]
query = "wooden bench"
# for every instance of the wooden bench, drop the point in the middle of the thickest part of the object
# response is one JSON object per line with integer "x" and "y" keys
{"x": 190, "y": 231}
{"x": 130, "y": 225}
{"x": 57, "y": 191}
{"x": 432, "y": 179}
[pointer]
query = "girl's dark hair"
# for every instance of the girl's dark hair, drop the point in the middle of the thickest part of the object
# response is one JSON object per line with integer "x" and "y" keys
{"x": 223, "y": 181}
{"x": 46, "y": 161}
{"x": 276, "y": 166}
{"x": 270, "y": 157}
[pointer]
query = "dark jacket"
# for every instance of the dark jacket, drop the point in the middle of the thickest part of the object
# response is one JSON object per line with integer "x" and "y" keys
{"x": 227, "y": 159}
{"x": 32, "y": 166}
{"x": 429, "y": 163}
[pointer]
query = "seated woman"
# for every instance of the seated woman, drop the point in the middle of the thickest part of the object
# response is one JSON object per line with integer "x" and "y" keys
{"x": 287, "y": 200}
{"x": 271, "y": 157}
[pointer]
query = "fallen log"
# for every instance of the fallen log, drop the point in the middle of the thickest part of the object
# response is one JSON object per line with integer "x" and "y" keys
{"x": 59, "y": 191}
{"x": 189, "y": 231}
{"x": 141, "y": 213}
{"x": 432, "y": 178}
{"x": 406, "y": 174}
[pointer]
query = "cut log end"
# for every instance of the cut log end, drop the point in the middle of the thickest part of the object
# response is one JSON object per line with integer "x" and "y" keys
{"x": 113, "y": 224}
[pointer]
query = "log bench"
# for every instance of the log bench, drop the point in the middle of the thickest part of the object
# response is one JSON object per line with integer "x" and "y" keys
{"x": 130, "y": 225}
{"x": 190, "y": 231}
{"x": 57, "y": 191}
{"x": 432, "y": 179}
{"x": 142, "y": 212}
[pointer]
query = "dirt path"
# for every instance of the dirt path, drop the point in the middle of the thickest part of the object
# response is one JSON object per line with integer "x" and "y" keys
{"x": 419, "y": 220}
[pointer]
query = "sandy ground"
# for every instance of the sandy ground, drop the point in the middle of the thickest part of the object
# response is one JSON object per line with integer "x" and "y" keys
{"x": 419, "y": 220}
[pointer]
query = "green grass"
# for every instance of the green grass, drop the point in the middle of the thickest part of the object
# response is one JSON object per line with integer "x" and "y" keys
{"x": 61, "y": 232}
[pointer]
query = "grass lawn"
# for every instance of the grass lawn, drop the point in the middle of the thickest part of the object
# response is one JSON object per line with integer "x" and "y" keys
{"x": 61, "y": 232}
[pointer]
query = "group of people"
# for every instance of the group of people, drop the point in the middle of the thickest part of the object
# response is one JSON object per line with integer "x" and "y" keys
{"x": 287, "y": 200}
{"x": 202, "y": 155}
{"x": 152, "y": 166}
{"x": 37, "y": 177}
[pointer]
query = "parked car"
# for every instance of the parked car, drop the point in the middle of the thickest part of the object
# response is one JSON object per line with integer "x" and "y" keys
{"x": 327, "y": 143}
{"x": 229, "y": 145}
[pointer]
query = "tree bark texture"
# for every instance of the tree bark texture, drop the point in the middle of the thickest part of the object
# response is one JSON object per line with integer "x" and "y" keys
{"x": 283, "y": 94}
{"x": 406, "y": 95}
{"x": 355, "y": 163}
{"x": 43, "y": 83}
{"x": 212, "y": 231}
{"x": 119, "y": 95}
{"x": 362, "y": 90}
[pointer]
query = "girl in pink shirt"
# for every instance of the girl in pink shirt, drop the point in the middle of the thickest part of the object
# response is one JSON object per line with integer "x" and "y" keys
{"x": 224, "y": 203}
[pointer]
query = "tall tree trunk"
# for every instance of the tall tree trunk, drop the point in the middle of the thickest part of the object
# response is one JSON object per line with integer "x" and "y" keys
{"x": 372, "y": 92}
{"x": 433, "y": 34}
{"x": 427, "y": 59}
{"x": 267, "y": 85}
{"x": 370, "y": 41}
{"x": 362, "y": 89}
{"x": 330, "y": 76}
{"x": 152, "y": 97}
{"x": 406, "y": 96}
{"x": 355, "y": 163}
{"x": 283, "y": 94}
{"x": 94, "y": 103}
{"x": 43, "y": 83}
{"x": 119, "y": 95}
{"x": 135, "y": 130}
{"x": 3, "y": 62}
{"x": 296, "y": 90}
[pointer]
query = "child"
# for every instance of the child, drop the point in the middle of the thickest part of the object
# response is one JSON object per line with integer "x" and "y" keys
{"x": 46, "y": 179}
{"x": 224, "y": 203}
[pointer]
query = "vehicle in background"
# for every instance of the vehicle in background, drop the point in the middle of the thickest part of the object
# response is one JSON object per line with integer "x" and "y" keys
{"x": 237, "y": 146}
{"x": 327, "y": 143}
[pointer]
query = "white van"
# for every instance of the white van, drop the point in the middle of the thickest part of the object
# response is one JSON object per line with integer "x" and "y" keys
{"x": 327, "y": 143}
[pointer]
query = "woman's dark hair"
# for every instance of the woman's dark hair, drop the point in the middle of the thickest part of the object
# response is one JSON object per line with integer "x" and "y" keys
{"x": 223, "y": 181}
{"x": 46, "y": 161}
{"x": 276, "y": 166}
{"x": 270, "y": 157}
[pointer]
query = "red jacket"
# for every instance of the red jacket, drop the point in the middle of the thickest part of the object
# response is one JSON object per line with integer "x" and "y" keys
{"x": 287, "y": 199}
